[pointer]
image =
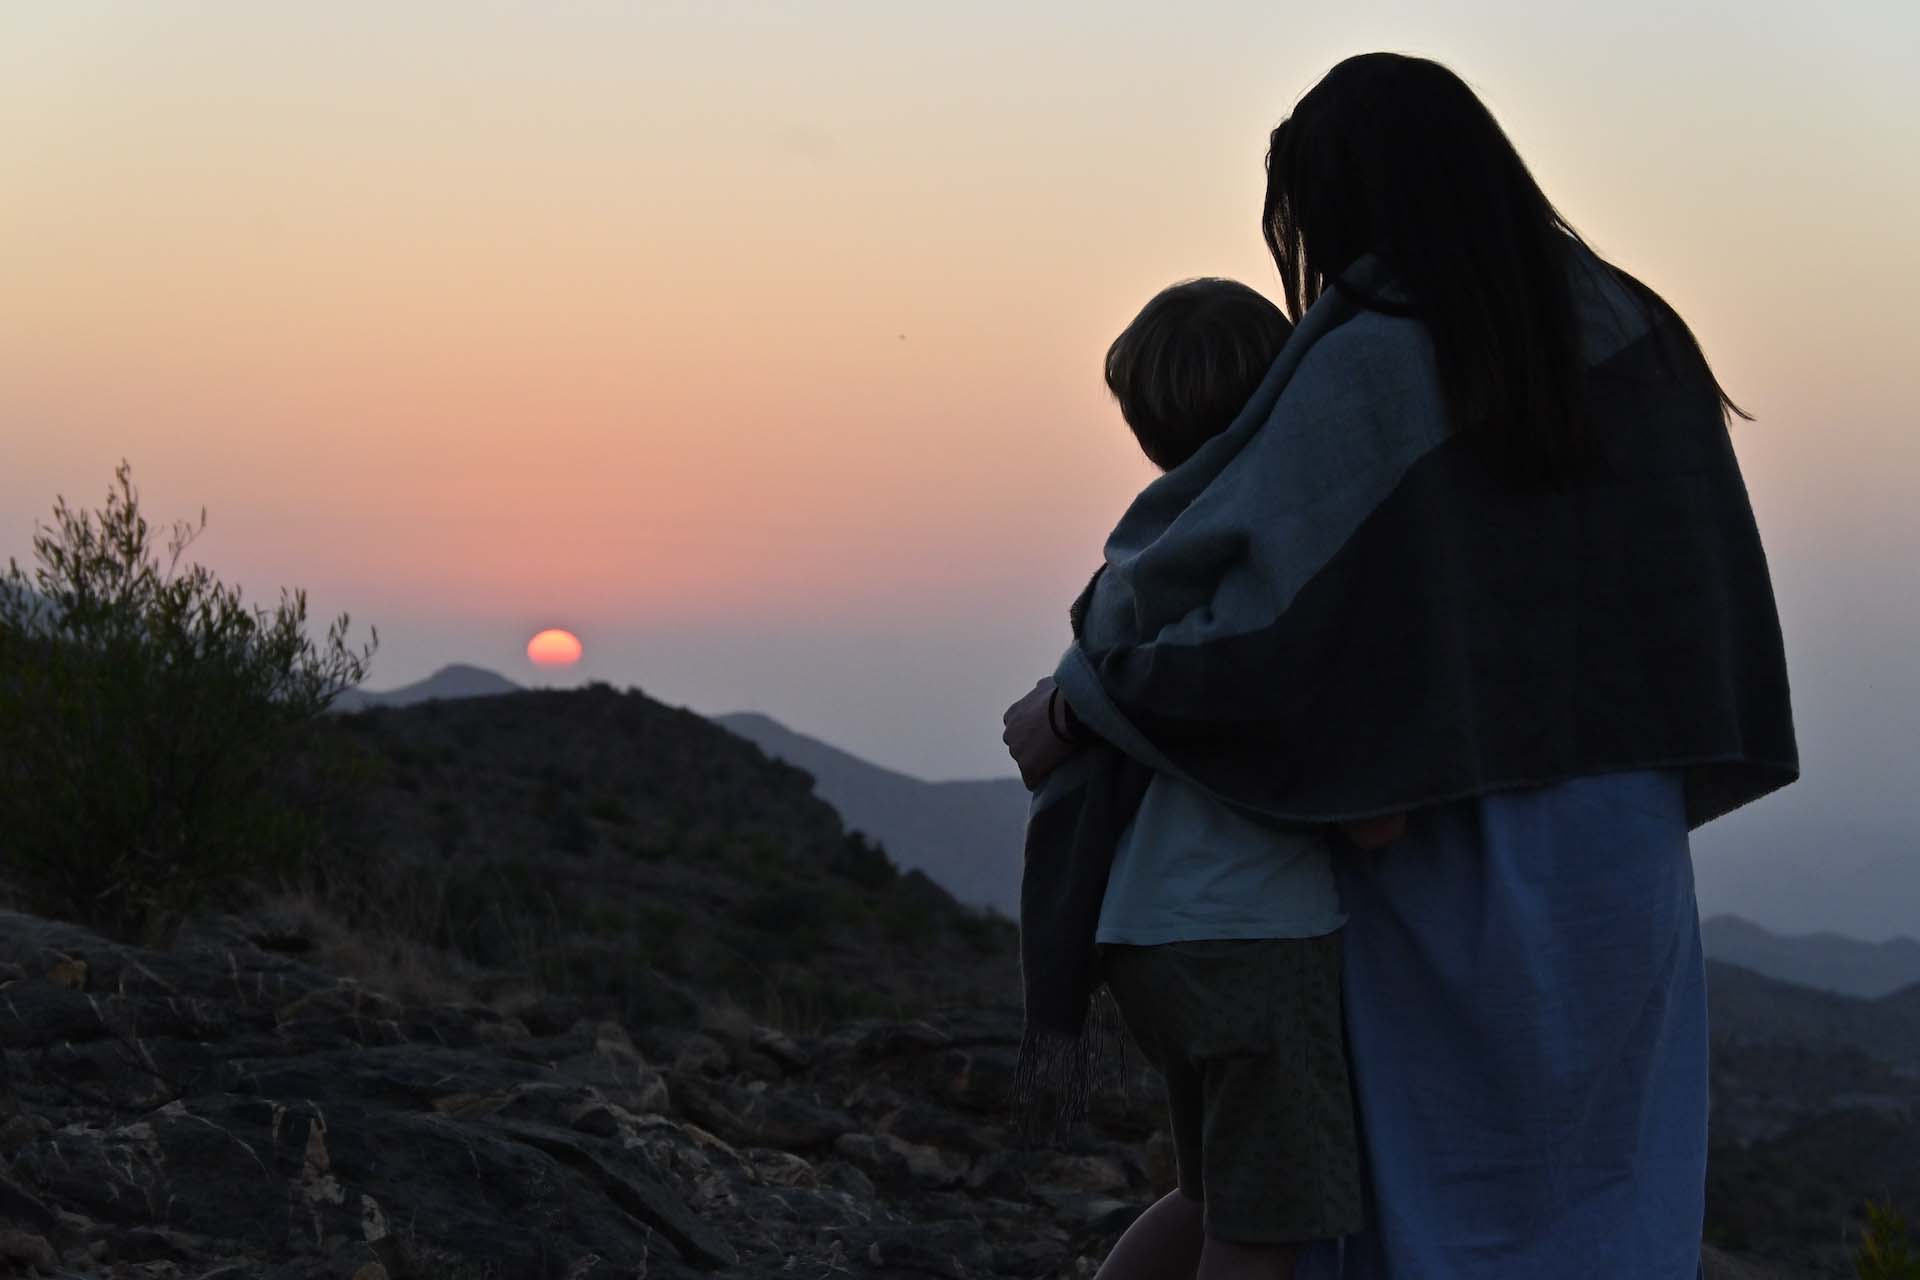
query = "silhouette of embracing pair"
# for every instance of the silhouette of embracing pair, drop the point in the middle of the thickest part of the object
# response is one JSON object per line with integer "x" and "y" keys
{"x": 1363, "y": 794}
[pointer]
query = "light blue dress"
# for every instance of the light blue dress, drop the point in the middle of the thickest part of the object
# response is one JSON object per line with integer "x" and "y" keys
{"x": 1527, "y": 1017}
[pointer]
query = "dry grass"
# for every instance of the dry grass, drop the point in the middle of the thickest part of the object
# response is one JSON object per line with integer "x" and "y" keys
{"x": 724, "y": 1015}
{"x": 409, "y": 971}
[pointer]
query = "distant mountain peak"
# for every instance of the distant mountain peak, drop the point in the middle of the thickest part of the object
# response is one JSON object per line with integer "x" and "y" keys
{"x": 466, "y": 670}
{"x": 455, "y": 680}
{"x": 1824, "y": 961}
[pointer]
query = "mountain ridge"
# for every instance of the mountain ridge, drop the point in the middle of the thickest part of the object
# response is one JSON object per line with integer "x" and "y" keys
{"x": 1824, "y": 961}
{"x": 455, "y": 680}
{"x": 966, "y": 835}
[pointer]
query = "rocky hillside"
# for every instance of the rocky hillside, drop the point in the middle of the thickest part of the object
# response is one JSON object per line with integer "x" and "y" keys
{"x": 224, "y": 1104}
{"x": 673, "y": 1019}
{"x": 1816, "y": 1109}
{"x": 602, "y": 845}
{"x": 225, "y": 1109}
{"x": 1750, "y": 1008}
{"x": 701, "y": 1030}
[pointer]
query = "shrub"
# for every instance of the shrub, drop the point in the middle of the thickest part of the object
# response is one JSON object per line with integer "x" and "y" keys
{"x": 610, "y": 809}
{"x": 907, "y": 920}
{"x": 1887, "y": 1251}
{"x": 864, "y": 862}
{"x": 986, "y": 930}
{"x": 148, "y": 718}
{"x": 570, "y": 831}
{"x": 452, "y": 826}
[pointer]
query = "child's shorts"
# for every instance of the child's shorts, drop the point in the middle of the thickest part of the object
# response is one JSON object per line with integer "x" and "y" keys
{"x": 1249, "y": 1036}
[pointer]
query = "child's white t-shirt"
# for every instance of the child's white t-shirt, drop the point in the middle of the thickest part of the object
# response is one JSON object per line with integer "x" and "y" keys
{"x": 1188, "y": 868}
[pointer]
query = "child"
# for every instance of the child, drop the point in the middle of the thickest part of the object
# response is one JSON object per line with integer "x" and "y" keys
{"x": 1190, "y": 361}
{"x": 1219, "y": 937}
{"x": 1182, "y": 371}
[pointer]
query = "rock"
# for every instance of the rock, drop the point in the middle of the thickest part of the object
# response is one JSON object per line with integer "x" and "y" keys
{"x": 893, "y": 1159}
{"x": 978, "y": 1079}
{"x": 649, "y": 996}
{"x": 22, "y": 1129}
{"x": 155, "y": 1245}
{"x": 781, "y": 1048}
{"x": 1090, "y": 1212}
{"x": 1042, "y": 1256}
{"x": 766, "y": 1118}
{"x": 24, "y": 1249}
{"x": 951, "y": 1249}
{"x": 551, "y": 1015}
{"x": 74, "y": 1233}
{"x": 69, "y": 972}
{"x": 1000, "y": 1174}
{"x": 924, "y": 1123}
{"x": 461, "y": 1026}
{"x": 758, "y": 1065}
{"x": 39, "y": 1013}
{"x": 1079, "y": 1173}
{"x": 781, "y": 1168}
{"x": 997, "y": 1024}
{"x": 874, "y": 1156}
{"x": 634, "y": 1188}
{"x": 224, "y": 1107}
{"x": 1715, "y": 1265}
{"x": 874, "y": 1100}
{"x": 1162, "y": 1165}
{"x": 870, "y": 1039}
{"x": 594, "y": 1117}
{"x": 686, "y": 1052}
{"x": 842, "y": 1176}
{"x": 18, "y": 1204}
{"x": 619, "y": 1071}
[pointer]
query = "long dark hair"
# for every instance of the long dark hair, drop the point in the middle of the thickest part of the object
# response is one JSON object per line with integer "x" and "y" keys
{"x": 1396, "y": 156}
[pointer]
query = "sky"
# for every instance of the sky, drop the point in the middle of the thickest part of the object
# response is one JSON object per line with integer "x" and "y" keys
{"x": 759, "y": 344}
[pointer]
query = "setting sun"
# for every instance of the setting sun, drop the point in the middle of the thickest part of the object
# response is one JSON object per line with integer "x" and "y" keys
{"x": 554, "y": 648}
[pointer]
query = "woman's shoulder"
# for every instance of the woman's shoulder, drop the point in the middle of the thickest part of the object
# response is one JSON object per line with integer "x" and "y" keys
{"x": 1367, "y": 386}
{"x": 1368, "y": 355}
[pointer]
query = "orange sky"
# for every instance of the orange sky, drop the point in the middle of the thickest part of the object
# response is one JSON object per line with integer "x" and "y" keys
{"x": 759, "y": 343}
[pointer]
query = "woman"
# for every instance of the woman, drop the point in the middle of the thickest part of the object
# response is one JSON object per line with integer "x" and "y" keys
{"x": 1478, "y": 552}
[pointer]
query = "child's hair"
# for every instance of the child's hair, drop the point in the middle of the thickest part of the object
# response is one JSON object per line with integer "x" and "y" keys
{"x": 1190, "y": 361}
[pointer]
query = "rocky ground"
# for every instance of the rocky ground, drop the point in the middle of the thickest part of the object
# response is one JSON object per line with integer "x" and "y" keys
{"x": 222, "y": 1108}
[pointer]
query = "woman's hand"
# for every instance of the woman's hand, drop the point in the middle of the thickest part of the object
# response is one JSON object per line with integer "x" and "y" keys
{"x": 1030, "y": 738}
{"x": 1371, "y": 834}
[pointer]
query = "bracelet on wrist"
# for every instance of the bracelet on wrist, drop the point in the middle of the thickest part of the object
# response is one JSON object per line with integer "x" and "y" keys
{"x": 1060, "y": 718}
{"x": 1077, "y": 730}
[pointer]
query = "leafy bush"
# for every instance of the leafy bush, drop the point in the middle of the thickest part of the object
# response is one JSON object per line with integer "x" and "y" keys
{"x": 1887, "y": 1252}
{"x": 907, "y": 920}
{"x": 148, "y": 720}
{"x": 864, "y": 862}
{"x": 610, "y": 809}
{"x": 570, "y": 830}
{"x": 986, "y": 930}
